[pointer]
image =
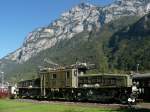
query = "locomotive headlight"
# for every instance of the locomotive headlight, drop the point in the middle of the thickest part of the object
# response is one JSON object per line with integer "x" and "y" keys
{"x": 13, "y": 90}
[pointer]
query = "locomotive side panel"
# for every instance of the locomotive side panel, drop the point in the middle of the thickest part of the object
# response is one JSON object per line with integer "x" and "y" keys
{"x": 29, "y": 88}
{"x": 104, "y": 81}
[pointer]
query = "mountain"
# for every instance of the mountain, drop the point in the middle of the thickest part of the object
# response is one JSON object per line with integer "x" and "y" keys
{"x": 80, "y": 18}
{"x": 83, "y": 17}
{"x": 84, "y": 33}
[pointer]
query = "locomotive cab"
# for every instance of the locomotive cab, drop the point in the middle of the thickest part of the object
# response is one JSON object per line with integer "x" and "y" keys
{"x": 58, "y": 79}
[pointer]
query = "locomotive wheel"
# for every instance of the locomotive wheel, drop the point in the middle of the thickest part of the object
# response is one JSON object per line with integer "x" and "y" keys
{"x": 123, "y": 98}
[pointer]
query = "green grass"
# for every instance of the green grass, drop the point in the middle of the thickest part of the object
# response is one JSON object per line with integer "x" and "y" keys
{"x": 15, "y": 106}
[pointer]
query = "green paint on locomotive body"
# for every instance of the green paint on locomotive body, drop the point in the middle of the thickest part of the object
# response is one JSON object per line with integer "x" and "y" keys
{"x": 106, "y": 80}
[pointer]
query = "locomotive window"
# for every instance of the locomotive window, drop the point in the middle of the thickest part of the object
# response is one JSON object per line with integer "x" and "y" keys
{"x": 30, "y": 83}
{"x": 68, "y": 75}
{"x": 89, "y": 80}
{"x": 113, "y": 82}
{"x": 99, "y": 79}
{"x": 54, "y": 76}
{"x": 106, "y": 82}
{"x": 94, "y": 80}
{"x": 86, "y": 80}
{"x": 81, "y": 80}
{"x": 25, "y": 84}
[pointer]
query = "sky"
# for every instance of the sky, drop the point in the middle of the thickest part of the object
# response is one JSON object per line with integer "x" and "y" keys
{"x": 19, "y": 17}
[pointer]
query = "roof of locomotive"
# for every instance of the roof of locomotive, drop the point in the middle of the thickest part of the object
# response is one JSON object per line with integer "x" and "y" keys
{"x": 29, "y": 80}
{"x": 55, "y": 70}
{"x": 100, "y": 74}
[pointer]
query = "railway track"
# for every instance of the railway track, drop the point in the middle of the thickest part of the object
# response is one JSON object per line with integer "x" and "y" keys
{"x": 140, "y": 107}
{"x": 83, "y": 104}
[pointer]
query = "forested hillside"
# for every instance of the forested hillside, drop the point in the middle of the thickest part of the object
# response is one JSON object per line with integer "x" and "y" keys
{"x": 131, "y": 46}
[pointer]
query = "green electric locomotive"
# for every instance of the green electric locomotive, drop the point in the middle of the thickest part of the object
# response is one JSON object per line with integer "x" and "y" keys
{"x": 73, "y": 85}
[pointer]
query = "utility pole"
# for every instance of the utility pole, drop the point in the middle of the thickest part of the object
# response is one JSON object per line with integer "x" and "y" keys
{"x": 137, "y": 68}
{"x": 2, "y": 79}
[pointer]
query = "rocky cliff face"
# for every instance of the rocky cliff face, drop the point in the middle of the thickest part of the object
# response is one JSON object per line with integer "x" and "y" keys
{"x": 83, "y": 17}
